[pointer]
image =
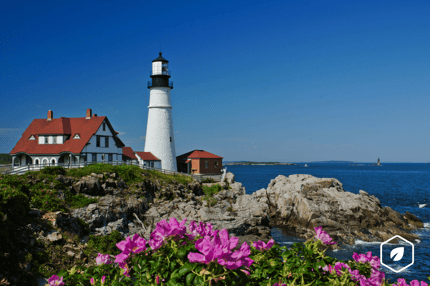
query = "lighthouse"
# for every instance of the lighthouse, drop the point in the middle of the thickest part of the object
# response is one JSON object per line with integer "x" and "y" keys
{"x": 159, "y": 138}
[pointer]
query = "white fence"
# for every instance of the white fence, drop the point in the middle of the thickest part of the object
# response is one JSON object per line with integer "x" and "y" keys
{"x": 19, "y": 170}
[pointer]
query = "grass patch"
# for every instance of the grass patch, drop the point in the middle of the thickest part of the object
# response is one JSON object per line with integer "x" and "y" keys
{"x": 104, "y": 244}
{"x": 184, "y": 180}
{"x": 78, "y": 201}
{"x": 209, "y": 192}
{"x": 130, "y": 174}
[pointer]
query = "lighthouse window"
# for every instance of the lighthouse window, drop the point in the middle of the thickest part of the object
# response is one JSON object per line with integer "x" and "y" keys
{"x": 170, "y": 139}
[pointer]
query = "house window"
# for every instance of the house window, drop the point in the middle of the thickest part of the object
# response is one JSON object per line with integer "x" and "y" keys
{"x": 98, "y": 141}
{"x": 152, "y": 164}
{"x": 54, "y": 140}
{"x": 104, "y": 126}
{"x": 206, "y": 164}
{"x": 170, "y": 139}
{"x": 216, "y": 163}
{"x": 94, "y": 157}
{"x": 106, "y": 142}
{"x": 110, "y": 157}
{"x": 46, "y": 139}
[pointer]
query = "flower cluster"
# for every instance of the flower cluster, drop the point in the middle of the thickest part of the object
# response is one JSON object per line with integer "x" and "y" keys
{"x": 261, "y": 245}
{"x": 217, "y": 254}
{"x": 402, "y": 282}
{"x": 219, "y": 248}
{"x": 376, "y": 276}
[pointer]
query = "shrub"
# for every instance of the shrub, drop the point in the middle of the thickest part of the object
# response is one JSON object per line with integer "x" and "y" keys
{"x": 104, "y": 244}
{"x": 13, "y": 203}
{"x": 55, "y": 170}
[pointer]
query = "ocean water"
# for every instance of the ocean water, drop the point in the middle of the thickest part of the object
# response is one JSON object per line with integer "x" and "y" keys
{"x": 401, "y": 186}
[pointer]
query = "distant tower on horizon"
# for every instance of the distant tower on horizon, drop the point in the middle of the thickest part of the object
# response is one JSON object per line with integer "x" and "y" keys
{"x": 159, "y": 138}
{"x": 379, "y": 162}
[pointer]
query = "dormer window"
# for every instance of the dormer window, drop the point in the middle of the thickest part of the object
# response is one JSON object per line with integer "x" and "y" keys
{"x": 32, "y": 137}
{"x": 46, "y": 139}
{"x": 76, "y": 136}
{"x": 54, "y": 140}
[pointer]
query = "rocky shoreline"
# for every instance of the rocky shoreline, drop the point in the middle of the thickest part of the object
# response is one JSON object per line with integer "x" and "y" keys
{"x": 295, "y": 204}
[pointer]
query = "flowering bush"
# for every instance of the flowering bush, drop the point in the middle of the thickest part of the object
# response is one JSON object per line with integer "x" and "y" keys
{"x": 199, "y": 255}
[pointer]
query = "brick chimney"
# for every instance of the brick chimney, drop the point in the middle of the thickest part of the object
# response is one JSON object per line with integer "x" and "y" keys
{"x": 89, "y": 113}
{"x": 50, "y": 115}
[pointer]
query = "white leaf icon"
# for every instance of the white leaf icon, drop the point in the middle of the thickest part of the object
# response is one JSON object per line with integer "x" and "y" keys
{"x": 397, "y": 253}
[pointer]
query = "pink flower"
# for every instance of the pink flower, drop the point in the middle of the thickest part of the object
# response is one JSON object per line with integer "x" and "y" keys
{"x": 260, "y": 245}
{"x": 135, "y": 244}
{"x": 329, "y": 269}
{"x": 126, "y": 269}
{"x": 103, "y": 279}
{"x": 218, "y": 248}
{"x": 323, "y": 236}
{"x": 157, "y": 279}
{"x": 363, "y": 258}
{"x": 203, "y": 229}
{"x": 54, "y": 280}
{"x": 277, "y": 284}
{"x": 356, "y": 276}
{"x": 103, "y": 259}
{"x": 401, "y": 282}
{"x": 92, "y": 281}
{"x": 165, "y": 229}
{"x": 417, "y": 283}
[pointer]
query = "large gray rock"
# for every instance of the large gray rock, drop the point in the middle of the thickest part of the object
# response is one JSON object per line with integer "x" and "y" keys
{"x": 302, "y": 202}
{"x": 88, "y": 185}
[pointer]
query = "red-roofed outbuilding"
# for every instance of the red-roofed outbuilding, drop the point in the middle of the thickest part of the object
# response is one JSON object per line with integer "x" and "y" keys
{"x": 64, "y": 140}
{"x": 148, "y": 159}
{"x": 199, "y": 162}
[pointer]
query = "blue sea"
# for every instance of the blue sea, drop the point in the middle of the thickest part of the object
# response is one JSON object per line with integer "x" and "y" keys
{"x": 401, "y": 186}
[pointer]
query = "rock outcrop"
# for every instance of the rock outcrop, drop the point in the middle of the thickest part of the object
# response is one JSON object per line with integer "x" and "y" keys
{"x": 298, "y": 203}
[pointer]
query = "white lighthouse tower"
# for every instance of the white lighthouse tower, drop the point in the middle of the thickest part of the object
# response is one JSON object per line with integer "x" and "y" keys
{"x": 159, "y": 131}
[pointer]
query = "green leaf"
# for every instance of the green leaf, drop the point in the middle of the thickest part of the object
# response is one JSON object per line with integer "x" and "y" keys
{"x": 190, "y": 278}
{"x": 198, "y": 281}
{"x": 182, "y": 252}
{"x": 63, "y": 273}
{"x": 184, "y": 270}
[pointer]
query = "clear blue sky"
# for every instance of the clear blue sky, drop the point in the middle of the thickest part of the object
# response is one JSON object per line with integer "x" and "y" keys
{"x": 285, "y": 81}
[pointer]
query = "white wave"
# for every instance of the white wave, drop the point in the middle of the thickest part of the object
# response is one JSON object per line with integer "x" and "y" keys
{"x": 421, "y": 205}
{"x": 287, "y": 242}
{"x": 418, "y": 241}
{"x": 427, "y": 224}
{"x": 359, "y": 241}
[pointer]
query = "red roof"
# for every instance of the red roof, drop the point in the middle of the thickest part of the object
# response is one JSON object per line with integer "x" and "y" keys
{"x": 127, "y": 151}
{"x": 202, "y": 154}
{"x": 188, "y": 161}
{"x": 60, "y": 126}
{"x": 147, "y": 156}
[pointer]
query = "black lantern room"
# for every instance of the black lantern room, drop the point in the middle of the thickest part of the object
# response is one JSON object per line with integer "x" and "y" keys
{"x": 160, "y": 73}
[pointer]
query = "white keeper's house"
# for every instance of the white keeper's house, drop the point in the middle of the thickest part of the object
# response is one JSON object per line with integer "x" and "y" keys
{"x": 53, "y": 141}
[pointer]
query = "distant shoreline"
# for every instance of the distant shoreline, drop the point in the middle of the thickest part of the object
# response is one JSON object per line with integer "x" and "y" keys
{"x": 260, "y": 163}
